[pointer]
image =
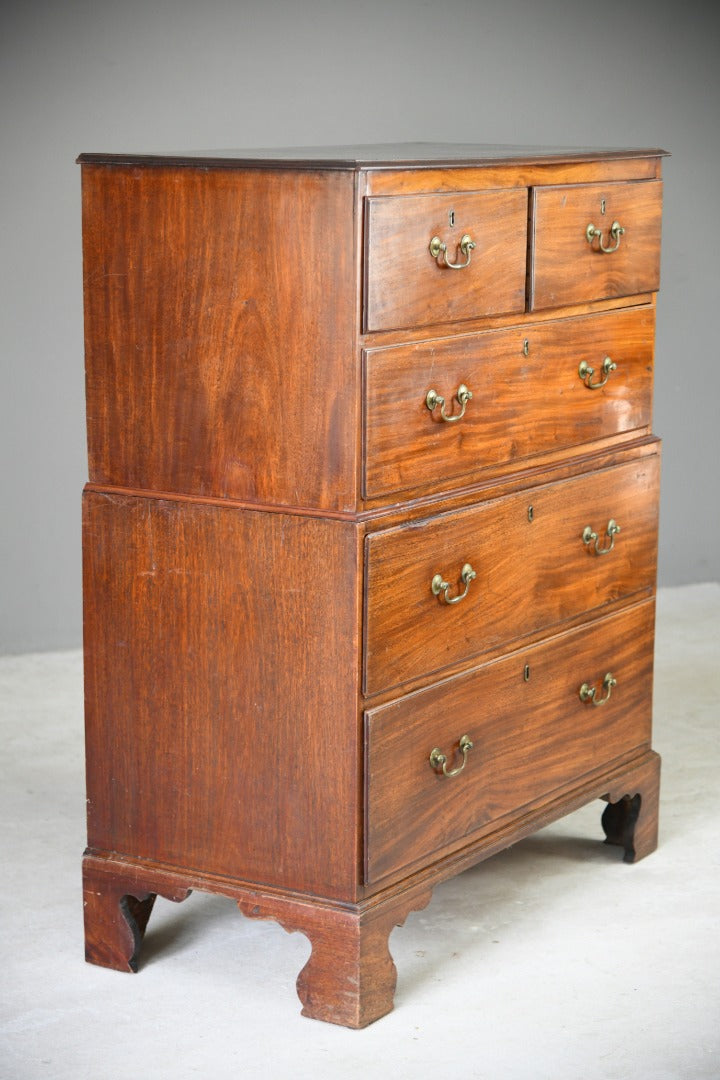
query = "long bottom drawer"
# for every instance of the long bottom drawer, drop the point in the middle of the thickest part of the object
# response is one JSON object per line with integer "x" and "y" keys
{"x": 537, "y": 720}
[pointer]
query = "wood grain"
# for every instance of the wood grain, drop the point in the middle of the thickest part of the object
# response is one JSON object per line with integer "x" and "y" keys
{"x": 406, "y": 286}
{"x": 530, "y": 173}
{"x": 530, "y": 737}
{"x": 220, "y": 317}
{"x": 522, "y": 405}
{"x": 221, "y": 706}
{"x": 530, "y": 574}
{"x": 566, "y": 269}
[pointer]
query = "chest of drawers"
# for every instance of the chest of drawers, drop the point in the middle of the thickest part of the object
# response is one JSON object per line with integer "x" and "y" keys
{"x": 370, "y": 530}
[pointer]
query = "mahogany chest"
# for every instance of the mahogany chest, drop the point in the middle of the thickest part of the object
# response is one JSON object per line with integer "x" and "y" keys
{"x": 370, "y": 531}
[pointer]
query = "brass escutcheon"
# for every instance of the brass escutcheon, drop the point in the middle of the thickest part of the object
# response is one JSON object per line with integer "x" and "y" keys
{"x": 586, "y": 373}
{"x": 589, "y": 536}
{"x": 589, "y": 693}
{"x": 433, "y": 400}
{"x": 438, "y": 760}
{"x": 592, "y": 234}
{"x": 438, "y": 248}
{"x": 440, "y": 586}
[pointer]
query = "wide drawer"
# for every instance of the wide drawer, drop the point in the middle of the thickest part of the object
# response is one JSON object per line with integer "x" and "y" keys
{"x": 535, "y": 563}
{"x": 531, "y": 734}
{"x": 577, "y": 254}
{"x": 406, "y": 285}
{"x": 534, "y": 389}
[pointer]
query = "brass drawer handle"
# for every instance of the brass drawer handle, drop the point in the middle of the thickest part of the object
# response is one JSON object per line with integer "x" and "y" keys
{"x": 589, "y": 693}
{"x": 463, "y": 395}
{"x": 586, "y": 373}
{"x": 438, "y": 760}
{"x": 438, "y": 586}
{"x": 616, "y": 231}
{"x": 438, "y": 247}
{"x": 589, "y": 536}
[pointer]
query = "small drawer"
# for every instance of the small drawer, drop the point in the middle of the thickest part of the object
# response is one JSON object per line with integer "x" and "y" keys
{"x": 534, "y": 389}
{"x": 407, "y": 285}
{"x": 532, "y": 733}
{"x": 594, "y": 241}
{"x": 537, "y": 558}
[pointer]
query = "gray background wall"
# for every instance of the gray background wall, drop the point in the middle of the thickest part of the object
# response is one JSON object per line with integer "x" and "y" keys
{"x": 151, "y": 75}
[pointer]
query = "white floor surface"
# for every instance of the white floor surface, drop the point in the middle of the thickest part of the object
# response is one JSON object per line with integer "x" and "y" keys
{"x": 552, "y": 960}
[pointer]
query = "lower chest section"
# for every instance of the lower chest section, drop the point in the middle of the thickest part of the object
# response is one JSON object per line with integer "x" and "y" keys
{"x": 263, "y": 687}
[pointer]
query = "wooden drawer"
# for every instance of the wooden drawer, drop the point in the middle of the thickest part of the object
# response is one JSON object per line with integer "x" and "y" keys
{"x": 406, "y": 286}
{"x": 528, "y": 396}
{"x": 567, "y": 269}
{"x": 531, "y": 574}
{"x": 530, "y": 737}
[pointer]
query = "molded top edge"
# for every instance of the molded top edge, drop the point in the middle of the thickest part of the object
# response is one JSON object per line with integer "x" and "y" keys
{"x": 373, "y": 156}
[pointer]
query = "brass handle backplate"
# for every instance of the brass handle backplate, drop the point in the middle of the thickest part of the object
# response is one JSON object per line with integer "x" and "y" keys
{"x": 441, "y": 588}
{"x": 592, "y": 234}
{"x": 586, "y": 373}
{"x": 438, "y": 249}
{"x": 589, "y": 693}
{"x": 589, "y": 536}
{"x": 438, "y": 760}
{"x": 433, "y": 400}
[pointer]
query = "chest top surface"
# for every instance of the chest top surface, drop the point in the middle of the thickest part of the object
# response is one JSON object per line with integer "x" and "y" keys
{"x": 375, "y": 155}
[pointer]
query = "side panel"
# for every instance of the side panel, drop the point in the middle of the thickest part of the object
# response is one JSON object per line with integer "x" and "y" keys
{"x": 221, "y": 309}
{"x": 222, "y": 725}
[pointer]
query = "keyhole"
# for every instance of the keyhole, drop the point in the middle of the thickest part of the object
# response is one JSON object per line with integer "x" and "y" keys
{"x": 602, "y": 206}
{"x": 451, "y": 218}
{"x": 526, "y": 673}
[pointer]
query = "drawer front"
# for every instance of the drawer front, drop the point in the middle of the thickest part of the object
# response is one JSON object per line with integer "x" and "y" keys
{"x": 529, "y": 737}
{"x": 534, "y": 569}
{"x": 529, "y": 395}
{"x": 406, "y": 285}
{"x": 567, "y": 268}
